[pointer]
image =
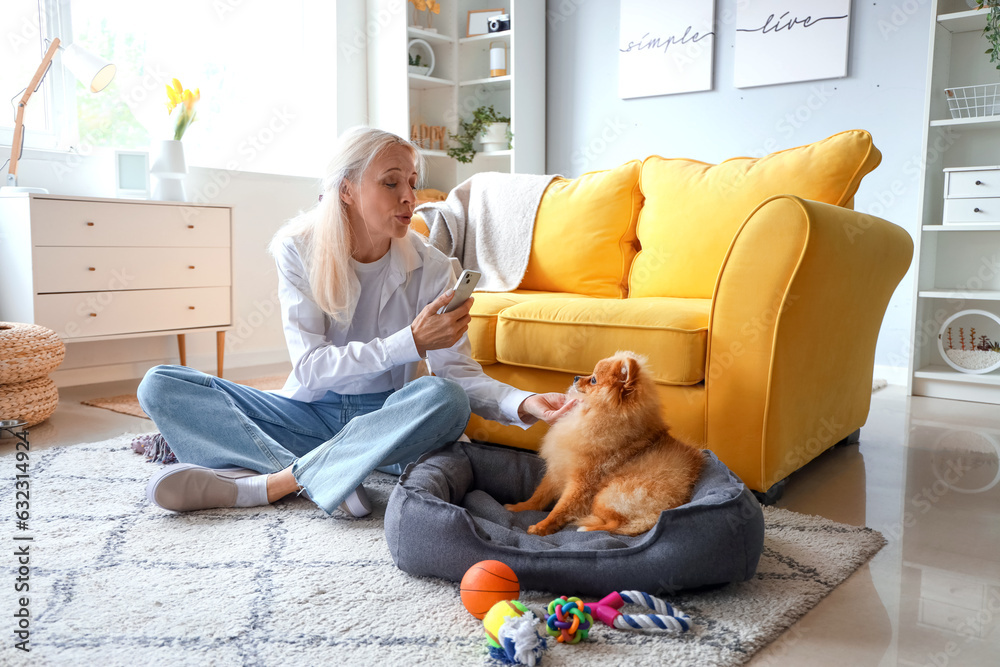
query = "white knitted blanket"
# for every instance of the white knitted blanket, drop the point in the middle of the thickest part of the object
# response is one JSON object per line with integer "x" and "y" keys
{"x": 486, "y": 223}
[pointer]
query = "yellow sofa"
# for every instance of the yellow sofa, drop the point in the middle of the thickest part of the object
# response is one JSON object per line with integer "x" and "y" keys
{"x": 752, "y": 286}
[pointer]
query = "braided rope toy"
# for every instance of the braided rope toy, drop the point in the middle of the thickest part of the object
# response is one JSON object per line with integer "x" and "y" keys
{"x": 569, "y": 620}
{"x": 666, "y": 617}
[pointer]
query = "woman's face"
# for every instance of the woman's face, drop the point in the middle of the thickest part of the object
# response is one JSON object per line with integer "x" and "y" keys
{"x": 381, "y": 205}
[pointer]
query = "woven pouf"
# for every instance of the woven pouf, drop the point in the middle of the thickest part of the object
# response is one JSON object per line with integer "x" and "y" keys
{"x": 32, "y": 402}
{"x": 28, "y": 353}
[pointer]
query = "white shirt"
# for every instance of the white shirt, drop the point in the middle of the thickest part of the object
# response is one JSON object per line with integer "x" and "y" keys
{"x": 326, "y": 358}
{"x": 364, "y": 325}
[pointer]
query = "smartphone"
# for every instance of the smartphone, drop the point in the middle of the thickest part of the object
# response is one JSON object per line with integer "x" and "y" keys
{"x": 463, "y": 290}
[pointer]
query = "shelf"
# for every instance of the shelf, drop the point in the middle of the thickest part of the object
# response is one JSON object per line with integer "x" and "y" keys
{"x": 979, "y": 123}
{"x": 422, "y": 82}
{"x": 946, "y": 373}
{"x": 968, "y": 294}
{"x": 969, "y": 21}
{"x": 499, "y": 82}
{"x": 430, "y": 36}
{"x": 962, "y": 228}
{"x": 427, "y": 152}
{"x": 506, "y": 153}
{"x": 488, "y": 36}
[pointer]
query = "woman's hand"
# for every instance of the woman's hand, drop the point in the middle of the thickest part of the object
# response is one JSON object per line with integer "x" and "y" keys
{"x": 434, "y": 332}
{"x": 550, "y": 407}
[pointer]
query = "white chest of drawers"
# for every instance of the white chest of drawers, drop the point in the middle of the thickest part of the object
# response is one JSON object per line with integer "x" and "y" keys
{"x": 971, "y": 195}
{"x": 98, "y": 269}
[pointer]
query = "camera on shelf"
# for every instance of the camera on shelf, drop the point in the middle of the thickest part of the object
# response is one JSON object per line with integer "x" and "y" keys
{"x": 499, "y": 23}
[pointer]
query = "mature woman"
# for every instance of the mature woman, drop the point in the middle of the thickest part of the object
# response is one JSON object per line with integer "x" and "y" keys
{"x": 360, "y": 296}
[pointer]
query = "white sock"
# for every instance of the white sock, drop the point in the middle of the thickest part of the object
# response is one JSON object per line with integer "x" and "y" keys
{"x": 251, "y": 491}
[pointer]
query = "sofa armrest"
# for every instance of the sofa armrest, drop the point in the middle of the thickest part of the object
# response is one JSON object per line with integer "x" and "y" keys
{"x": 796, "y": 312}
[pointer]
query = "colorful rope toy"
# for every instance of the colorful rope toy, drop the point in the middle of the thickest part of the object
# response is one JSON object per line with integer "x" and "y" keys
{"x": 666, "y": 617}
{"x": 569, "y": 620}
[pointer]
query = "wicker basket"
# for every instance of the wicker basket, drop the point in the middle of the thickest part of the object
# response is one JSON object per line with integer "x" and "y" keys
{"x": 27, "y": 352}
{"x": 32, "y": 401}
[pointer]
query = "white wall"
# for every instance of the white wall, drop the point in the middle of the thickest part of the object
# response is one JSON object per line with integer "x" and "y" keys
{"x": 590, "y": 128}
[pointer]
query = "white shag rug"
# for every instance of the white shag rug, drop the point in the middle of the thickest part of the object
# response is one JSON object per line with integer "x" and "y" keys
{"x": 115, "y": 580}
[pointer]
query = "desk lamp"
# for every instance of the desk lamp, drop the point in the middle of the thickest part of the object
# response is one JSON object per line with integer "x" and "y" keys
{"x": 85, "y": 66}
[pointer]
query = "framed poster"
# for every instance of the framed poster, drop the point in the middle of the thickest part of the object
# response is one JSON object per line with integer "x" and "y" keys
{"x": 783, "y": 41}
{"x": 665, "y": 47}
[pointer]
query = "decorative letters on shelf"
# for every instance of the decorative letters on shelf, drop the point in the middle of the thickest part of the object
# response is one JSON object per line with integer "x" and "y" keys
{"x": 783, "y": 41}
{"x": 665, "y": 47}
{"x": 426, "y": 136}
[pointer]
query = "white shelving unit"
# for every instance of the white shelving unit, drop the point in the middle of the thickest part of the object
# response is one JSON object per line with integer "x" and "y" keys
{"x": 958, "y": 265}
{"x": 460, "y": 82}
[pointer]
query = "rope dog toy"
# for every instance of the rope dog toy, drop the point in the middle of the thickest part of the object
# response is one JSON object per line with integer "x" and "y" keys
{"x": 666, "y": 617}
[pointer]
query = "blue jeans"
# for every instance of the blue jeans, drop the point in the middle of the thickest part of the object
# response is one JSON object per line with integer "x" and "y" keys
{"x": 332, "y": 444}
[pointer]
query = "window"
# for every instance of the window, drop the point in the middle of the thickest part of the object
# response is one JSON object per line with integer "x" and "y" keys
{"x": 264, "y": 104}
{"x": 25, "y": 25}
{"x": 268, "y": 93}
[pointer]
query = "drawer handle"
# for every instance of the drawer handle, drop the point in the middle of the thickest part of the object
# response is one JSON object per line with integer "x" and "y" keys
{"x": 93, "y": 314}
{"x": 90, "y": 268}
{"x": 979, "y": 183}
{"x": 90, "y": 224}
{"x": 190, "y": 307}
{"x": 977, "y": 210}
{"x": 190, "y": 267}
{"x": 190, "y": 226}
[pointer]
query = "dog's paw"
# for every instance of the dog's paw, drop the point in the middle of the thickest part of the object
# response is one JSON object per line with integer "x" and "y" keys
{"x": 539, "y": 529}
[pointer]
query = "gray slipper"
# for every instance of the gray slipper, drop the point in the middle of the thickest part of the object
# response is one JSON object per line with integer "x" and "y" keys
{"x": 183, "y": 487}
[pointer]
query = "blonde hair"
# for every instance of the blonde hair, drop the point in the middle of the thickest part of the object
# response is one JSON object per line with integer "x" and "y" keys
{"x": 323, "y": 234}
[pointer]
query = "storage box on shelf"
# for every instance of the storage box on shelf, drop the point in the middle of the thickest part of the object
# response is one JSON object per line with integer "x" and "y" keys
{"x": 958, "y": 246}
{"x": 460, "y": 82}
{"x": 97, "y": 269}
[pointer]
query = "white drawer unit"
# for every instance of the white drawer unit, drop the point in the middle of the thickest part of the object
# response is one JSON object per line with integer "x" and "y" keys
{"x": 971, "y": 196}
{"x": 974, "y": 182}
{"x": 91, "y": 269}
{"x": 101, "y": 223}
{"x": 965, "y": 211}
{"x": 95, "y": 269}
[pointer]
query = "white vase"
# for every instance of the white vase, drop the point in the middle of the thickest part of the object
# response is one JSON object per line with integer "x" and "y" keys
{"x": 168, "y": 170}
{"x": 494, "y": 137}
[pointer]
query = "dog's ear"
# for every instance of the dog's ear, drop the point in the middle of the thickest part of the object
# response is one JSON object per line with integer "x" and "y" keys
{"x": 629, "y": 375}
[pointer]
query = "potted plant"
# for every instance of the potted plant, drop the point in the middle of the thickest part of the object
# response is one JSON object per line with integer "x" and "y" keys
{"x": 992, "y": 30}
{"x": 488, "y": 126}
{"x": 416, "y": 66}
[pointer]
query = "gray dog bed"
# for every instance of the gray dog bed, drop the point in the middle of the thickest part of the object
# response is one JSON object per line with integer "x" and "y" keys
{"x": 446, "y": 514}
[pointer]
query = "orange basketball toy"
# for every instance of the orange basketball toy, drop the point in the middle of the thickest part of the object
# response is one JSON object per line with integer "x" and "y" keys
{"x": 486, "y": 583}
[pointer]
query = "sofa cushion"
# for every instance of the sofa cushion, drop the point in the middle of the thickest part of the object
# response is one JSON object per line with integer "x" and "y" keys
{"x": 486, "y": 307}
{"x": 692, "y": 210}
{"x": 573, "y": 334}
{"x": 584, "y": 238}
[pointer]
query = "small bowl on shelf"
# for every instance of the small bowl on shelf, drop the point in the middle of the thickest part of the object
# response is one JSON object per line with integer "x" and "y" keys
{"x": 969, "y": 341}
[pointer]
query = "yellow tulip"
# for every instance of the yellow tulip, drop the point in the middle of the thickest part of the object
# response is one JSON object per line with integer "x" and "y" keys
{"x": 177, "y": 86}
{"x": 433, "y": 6}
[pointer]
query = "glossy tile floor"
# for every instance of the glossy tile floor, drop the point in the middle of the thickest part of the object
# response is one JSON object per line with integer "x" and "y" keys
{"x": 925, "y": 474}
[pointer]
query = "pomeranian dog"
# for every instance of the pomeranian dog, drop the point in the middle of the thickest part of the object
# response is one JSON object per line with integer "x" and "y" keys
{"x": 610, "y": 462}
